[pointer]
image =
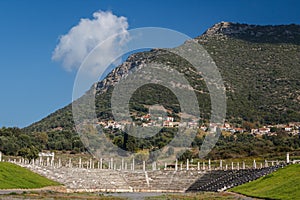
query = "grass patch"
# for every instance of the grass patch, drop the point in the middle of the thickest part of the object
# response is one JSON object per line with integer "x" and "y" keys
{"x": 194, "y": 196}
{"x": 282, "y": 184}
{"x": 13, "y": 177}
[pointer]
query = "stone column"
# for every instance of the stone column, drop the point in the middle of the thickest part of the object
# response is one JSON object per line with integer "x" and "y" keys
{"x": 59, "y": 162}
{"x": 70, "y": 163}
{"x": 203, "y": 165}
{"x": 231, "y": 165}
{"x": 238, "y": 166}
{"x": 144, "y": 165}
{"x": 187, "y": 164}
{"x": 176, "y": 165}
{"x": 209, "y": 165}
{"x": 79, "y": 163}
{"x": 198, "y": 166}
{"x": 91, "y": 162}
{"x": 226, "y": 167}
{"x": 133, "y": 164}
{"x": 181, "y": 167}
{"x": 244, "y": 167}
{"x": 165, "y": 166}
{"x": 125, "y": 165}
{"x": 112, "y": 163}
{"x": 266, "y": 163}
{"x": 261, "y": 165}
{"x": 122, "y": 164}
{"x": 221, "y": 165}
{"x": 48, "y": 161}
{"x": 254, "y": 164}
{"x": 0, "y": 156}
{"x": 52, "y": 160}
{"x": 101, "y": 163}
{"x": 287, "y": 158}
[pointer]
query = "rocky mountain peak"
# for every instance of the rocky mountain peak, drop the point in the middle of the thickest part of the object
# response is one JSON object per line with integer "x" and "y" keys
{"x": 224, "y": 28}
{"x": 255, "y": 33}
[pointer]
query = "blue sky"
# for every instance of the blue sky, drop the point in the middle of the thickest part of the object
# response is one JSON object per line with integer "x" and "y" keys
{"x": 32, "y": 85}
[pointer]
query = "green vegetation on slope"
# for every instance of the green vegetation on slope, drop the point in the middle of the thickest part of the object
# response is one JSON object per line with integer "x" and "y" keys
{"x": 17, "y": 142}
{"x": 14, "y": 142}
{"x": 282, "y": 184}
{"x": 260, "y": 67}
{"x": 13, "y": 176}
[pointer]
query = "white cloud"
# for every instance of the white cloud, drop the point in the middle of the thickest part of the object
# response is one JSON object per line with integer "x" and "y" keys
{"x": 74, "y": 46}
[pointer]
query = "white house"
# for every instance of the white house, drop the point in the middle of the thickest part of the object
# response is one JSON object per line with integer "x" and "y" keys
{"x": 288, "y": 129}
{"x": 264, "y": 130}
{"x": 261, "y": 131}
{"x": 168, "y": 123}
{"x": 171, "y": 119}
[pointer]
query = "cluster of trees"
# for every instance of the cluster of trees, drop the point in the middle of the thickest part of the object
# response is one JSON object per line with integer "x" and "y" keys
{"x": 133, "y": 144}
{"x": 236, "y": 145}
{"x": 16, "y": 142}
{"x": 242, "y": 145}
{"x": 64, "y": 140}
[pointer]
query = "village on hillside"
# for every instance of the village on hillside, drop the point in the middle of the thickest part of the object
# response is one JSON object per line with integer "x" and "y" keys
{"x": 169, "y": 121}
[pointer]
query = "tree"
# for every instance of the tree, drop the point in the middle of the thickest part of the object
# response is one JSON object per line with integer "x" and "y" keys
{"x": 273, "y": 129}
{"x": 170, "y": 151}
{"x": 29, "y": 153}
{"x": 24, "y": 140}
{"x": 41, "y": 139}
{"x": 153, "y": 155}
{"x": 248, "y": 126}
{"x": 186, "y": 155}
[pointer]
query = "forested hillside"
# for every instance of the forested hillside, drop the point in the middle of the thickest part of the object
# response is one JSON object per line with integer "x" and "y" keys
{"x": 260, "y": 66}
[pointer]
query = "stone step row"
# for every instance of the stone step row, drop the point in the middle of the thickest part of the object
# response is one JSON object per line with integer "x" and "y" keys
{"x": 221, "y": 180}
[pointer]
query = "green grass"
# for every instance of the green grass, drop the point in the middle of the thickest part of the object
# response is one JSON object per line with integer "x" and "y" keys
{"x": 282, "y": 184}
{"x": 13, "y": 176}
{"x": 195, "y": 196}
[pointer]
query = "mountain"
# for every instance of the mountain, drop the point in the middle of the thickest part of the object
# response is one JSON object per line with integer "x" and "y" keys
{"x": 260, "y": 67}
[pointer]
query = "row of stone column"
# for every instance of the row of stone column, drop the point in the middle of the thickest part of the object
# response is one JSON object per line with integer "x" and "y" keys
{"x": 232, "y": 166}
{"x": 111, "y": 164}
